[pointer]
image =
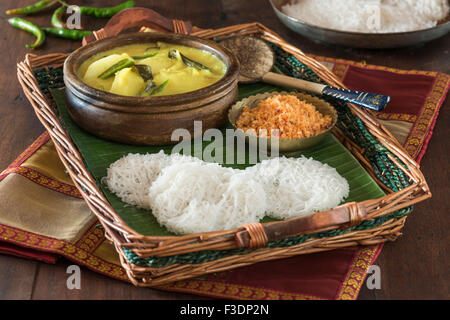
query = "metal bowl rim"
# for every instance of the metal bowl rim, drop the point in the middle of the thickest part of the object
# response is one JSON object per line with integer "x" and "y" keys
{"x": 361, "y": 34}
{"x": 283, "y": 141}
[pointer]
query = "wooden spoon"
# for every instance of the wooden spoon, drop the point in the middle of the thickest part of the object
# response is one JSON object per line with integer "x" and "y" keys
{"x": 257, "y": 59}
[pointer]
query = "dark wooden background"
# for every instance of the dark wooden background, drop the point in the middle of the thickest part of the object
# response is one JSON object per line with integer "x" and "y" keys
{"x": 416, "y": 266}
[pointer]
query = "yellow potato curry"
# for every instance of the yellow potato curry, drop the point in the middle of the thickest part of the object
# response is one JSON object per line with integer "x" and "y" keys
{"x": 152, "y": 69}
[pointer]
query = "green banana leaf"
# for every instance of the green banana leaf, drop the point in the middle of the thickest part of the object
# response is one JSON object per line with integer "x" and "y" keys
{"x": 98, "y": 154}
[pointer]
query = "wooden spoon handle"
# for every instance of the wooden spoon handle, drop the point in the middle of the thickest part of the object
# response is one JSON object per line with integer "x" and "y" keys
{"x": 285, "y": 81}
{"x": 373, "y": 101}
{"x": 138, "y": 17}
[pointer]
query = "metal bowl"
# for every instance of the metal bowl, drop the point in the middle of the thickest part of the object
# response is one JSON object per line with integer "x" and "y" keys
{"x": 286, "y": 146}
{"x": 358, "y": 39}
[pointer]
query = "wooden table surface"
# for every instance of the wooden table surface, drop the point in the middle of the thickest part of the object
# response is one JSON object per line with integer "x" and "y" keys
{"x": 416, "y": 266}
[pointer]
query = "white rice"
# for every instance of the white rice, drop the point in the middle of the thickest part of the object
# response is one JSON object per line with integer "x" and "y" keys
{"x": 188, "y": 195}
{"x": 362, "y": 15}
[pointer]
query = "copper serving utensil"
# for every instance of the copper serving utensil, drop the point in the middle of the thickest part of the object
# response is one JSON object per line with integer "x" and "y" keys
{"x": 256, "y": 62}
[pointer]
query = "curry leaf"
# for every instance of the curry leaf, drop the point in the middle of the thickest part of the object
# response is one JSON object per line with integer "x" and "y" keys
{"x": 187, "y": 61}
{"x": 150, "y": 85}
{"x": 145, "y": 71}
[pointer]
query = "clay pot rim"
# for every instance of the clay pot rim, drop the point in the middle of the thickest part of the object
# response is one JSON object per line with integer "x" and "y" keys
{"x": 130, "y": 104}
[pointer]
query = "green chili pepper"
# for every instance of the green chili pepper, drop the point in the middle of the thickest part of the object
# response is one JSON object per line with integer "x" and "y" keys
{"x": 159, "y": 88}
{"x": 72, "y": 34}
{"x": 57, "y": 18}
{"x": 31, "y": 28}
{"x": 125, "y": 63}
{"x": 145, "y": 56}
{"x": 34, "y": 8}
{"x": 106, "y": 12}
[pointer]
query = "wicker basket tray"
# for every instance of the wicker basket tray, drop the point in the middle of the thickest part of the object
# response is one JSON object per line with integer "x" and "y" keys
{"x": 155, "y": 260}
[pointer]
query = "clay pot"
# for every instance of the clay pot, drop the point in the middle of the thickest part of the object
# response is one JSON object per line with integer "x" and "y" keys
{"x": 148, "y": 120}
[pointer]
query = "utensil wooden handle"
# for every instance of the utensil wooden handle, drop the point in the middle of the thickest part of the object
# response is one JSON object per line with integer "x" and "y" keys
{"x": 257, "y": 235}
{"x": 285, "y": 81}
{"x": 136, "y": 17}
{"x": 372, "y": 101}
